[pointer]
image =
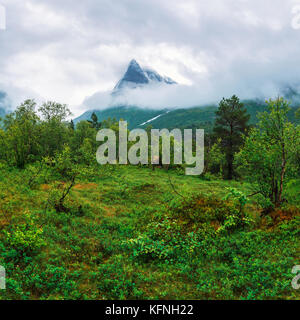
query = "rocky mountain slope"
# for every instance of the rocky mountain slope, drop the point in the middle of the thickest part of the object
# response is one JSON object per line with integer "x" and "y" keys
{"x": 136, "y": 76}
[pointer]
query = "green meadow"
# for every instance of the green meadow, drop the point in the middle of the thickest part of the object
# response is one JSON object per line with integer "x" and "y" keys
{"x": 71, "y": 228}
{"x": 135, "y": 233}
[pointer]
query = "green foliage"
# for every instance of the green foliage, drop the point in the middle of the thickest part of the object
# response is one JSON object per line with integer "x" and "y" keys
{"x": 71, "y": 229}
{"x": 237, "y": 219}
{"x": 65, "y": 167}
{"x": 20, "y": 139}
{"x": 202, "y": 209}
{"x": 24, "y": 236}
{"x": 137, "y": 240}
{"x": 215, "y": 159}
{"x": 239, "y": 265}
{"x": 133, "y": 115}
{"x": 117, "y": 281}
{"x": 94, "y": 121}
{"x": 177, "y": 236}
{"x": 268, "y": 158}
{"x": 195, "y": 117}
{"x": 238, "y": 196}
{"x": 297, "y": 113}
{"x": 52, "y": 111}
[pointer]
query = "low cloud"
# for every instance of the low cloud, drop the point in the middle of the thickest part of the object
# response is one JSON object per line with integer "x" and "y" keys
{"x": 206, "y": 92}
{"x": 66, "y": 51}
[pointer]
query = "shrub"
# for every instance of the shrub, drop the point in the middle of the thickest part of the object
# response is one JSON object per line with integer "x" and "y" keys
{"x": 25, "y": 236}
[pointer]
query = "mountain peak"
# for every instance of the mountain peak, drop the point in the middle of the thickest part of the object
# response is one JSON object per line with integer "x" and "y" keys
{"x": 133, "y": 63}
{"x": 136, "y": 76}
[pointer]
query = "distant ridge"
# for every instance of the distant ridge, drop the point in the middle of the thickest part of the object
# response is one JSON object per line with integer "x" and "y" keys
{"x": 201, "y": 117}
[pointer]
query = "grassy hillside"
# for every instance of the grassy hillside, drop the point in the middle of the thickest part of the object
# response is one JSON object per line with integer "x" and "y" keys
{"x": 200, "y": 117}
{"x": 133, "y": 115}
{"x": 196, "y": 117}
{"x": 130, "y": 236}
{"x": 204, "y": 117}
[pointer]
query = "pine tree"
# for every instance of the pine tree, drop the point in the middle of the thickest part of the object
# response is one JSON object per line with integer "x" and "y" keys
{"x": 230, "y": 125}
{"x": 94, "y": 121}
{"x": 72, "y": 126}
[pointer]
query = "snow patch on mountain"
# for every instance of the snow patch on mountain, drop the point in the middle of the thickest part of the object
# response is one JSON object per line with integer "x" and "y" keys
{"x": 151, "y": 120}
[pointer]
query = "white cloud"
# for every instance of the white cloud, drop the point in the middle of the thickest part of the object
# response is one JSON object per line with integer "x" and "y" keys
{"x": 68, "y": 50}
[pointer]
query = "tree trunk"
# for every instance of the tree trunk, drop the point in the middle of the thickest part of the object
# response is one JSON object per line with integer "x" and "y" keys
{"x": 230, "y": 155}
{"x": 283, "y": 169}
{"x": 230, "y": 167}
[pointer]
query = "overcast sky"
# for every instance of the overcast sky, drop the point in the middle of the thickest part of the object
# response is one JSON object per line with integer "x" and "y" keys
{"x": 68, "y": 50}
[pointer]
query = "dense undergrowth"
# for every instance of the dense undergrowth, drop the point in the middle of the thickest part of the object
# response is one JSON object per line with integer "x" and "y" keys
{"x": 128, "y": 235}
